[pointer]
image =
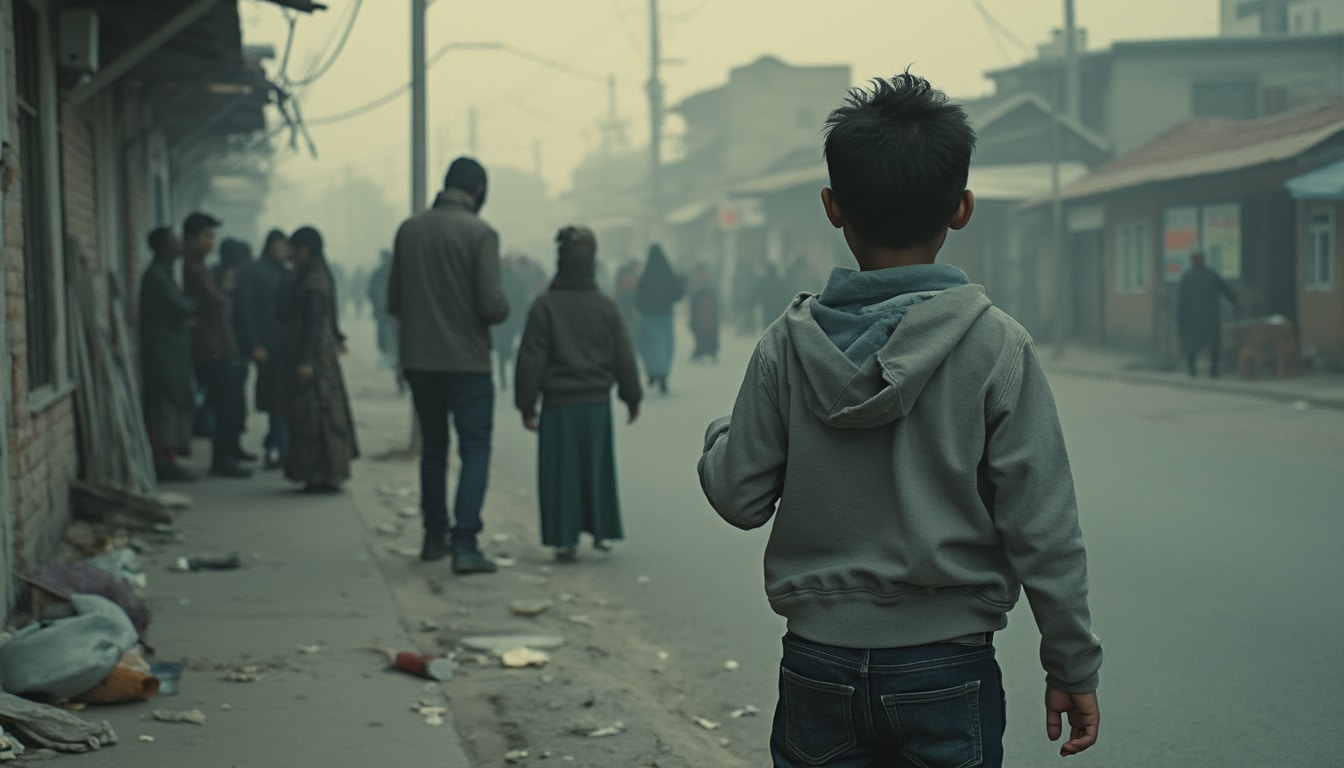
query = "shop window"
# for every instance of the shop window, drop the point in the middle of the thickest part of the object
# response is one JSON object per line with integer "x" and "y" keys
{"x": 1132, "y": 257}
{"x": 1320, "y": 267}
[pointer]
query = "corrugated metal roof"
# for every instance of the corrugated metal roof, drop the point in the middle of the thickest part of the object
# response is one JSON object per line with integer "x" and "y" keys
{"x": 988, "y": 182}
{"x": 1207, "y": 147}
{"x": 1325, "y": 183}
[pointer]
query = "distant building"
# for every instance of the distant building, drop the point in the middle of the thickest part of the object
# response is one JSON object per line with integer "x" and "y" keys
{"x": 1320, "y": 231}
{"x": 1250, "y": 18}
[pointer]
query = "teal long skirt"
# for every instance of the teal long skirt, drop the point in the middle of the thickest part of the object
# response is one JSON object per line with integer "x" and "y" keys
{"x": 576, "y": 475}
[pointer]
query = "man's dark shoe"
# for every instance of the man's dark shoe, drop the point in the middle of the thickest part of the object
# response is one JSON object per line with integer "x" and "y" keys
{"x": 230, "y": 469}
{"x": 472, "y": 561}
{"x": 173, "y": 473}
{"x": 434, "y": 548}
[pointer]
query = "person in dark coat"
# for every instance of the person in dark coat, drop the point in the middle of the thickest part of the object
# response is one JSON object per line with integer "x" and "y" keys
{"x": 659, "y": 289}
{"x": 574, "y": 349}
{"x": 312, "y": 386}
{"x": 214, "y": 347}
{"x": 704, "y": 301}
{"x": 261, "y": 289}
{"x": 168, "y": 394}
{"x": 386, "y": 334}
{"x": 1198, "y": 313}
{"x": 234, "y": 258}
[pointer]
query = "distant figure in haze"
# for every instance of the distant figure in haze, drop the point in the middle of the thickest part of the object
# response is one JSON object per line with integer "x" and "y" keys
{"x": 504, "y": 337}
{"x": 262, "y": 288}
{"x": 745, "y": 302}
{"x": 214, "y": 349}
{"x": 234, "y": 258}
{"x": 446, "y": 292}
{"x": 704, "y": 312}
{"x": 900, "y": 431}
{"x": 316, "y": 406}
{"x": 1199, "y": 318}
{"x": 659, "y": 289}
{"x": 575, "y": 348}
{"x": 168, "y": 396}
{"x": 386, "y": 334}
{"x": 624, "y": 288}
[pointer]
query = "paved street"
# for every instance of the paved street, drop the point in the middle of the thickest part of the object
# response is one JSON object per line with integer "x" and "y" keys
{"x": 1213, "y": 524}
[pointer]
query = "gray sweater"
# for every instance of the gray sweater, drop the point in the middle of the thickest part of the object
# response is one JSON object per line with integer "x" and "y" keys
{"x": 445, "y": 289}
{"x": 914, "y": 494}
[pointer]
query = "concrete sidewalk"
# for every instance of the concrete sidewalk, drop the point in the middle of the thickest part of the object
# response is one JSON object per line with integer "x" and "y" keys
{"x": 1319, "y": 390}
{"x": 307, "y": 579}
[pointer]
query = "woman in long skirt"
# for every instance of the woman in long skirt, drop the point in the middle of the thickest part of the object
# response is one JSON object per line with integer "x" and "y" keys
{"x": 574, "y": 349}
{"x": 659, "y": 289}
{"x": 317, "y": 409}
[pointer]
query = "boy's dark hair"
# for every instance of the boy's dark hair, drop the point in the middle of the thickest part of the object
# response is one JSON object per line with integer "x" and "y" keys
{"x": 898, "y": 157}
{"x": 197, "y": 221}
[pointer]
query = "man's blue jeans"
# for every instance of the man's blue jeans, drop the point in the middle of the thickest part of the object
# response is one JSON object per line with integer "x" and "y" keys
{"x": 469, "y": 399}
{"x": 930, "y": 705}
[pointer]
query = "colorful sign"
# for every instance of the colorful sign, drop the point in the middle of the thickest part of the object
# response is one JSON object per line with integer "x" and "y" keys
{"x": 1220, "y": 234}
{"x": 1180, "y": 237}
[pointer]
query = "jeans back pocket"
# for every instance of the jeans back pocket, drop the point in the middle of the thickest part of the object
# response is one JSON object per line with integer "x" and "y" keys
{"x": 938, "y": 728}
{"x": 819, "y": 717}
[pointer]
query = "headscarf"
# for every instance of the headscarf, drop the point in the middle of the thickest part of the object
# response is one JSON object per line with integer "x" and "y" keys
{"x": 576, "y": 264}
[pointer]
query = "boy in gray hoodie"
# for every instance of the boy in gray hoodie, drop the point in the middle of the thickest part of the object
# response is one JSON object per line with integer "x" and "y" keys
{"x": 899, "y": 430}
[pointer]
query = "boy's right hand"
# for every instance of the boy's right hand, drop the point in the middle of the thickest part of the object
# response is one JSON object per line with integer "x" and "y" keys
{"x": 1084, "y": 719}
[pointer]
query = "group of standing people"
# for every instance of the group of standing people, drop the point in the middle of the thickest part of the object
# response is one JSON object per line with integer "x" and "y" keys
{"x": 277, "y": 313}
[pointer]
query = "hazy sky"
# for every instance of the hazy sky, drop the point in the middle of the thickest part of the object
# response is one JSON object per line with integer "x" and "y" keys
{"x": 521, "y": 102}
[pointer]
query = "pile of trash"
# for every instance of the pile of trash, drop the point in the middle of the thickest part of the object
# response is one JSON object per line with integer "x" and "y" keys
{"x": 84, "y": 645}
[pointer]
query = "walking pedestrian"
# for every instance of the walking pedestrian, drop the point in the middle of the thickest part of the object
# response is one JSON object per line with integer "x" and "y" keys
{"x": 659, "y": 289}
{"x": 316, "y": 406}
{"x": 518, "y": 293}
{"x": 262, "y": 288}
{"x": 704, "y": 310}
{"x": 574, "y": 349}
{"x": 445, "y": 292}
{"x": 1199, "y": 320}
{"x": 899, "y": 430}
{"x": 168, "y": 395}
{"x": 214, "y": 348}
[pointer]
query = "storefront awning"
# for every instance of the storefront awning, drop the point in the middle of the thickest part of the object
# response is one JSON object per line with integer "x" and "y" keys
{"x": 1325, "y": 183}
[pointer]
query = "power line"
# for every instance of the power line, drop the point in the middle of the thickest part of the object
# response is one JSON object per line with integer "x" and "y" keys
{"x": 322, "y": 69}
{"x": 995, "y": 24}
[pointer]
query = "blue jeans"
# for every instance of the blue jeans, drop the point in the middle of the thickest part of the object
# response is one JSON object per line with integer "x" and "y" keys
{"x": 469, "y": 399}
{"x": 928, "y": 706}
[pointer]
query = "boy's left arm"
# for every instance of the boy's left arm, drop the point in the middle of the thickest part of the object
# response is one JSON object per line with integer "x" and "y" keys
{"x": 742, "y": 468}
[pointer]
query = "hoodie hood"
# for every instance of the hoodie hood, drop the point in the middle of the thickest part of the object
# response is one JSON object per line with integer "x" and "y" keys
{"x": 884, "y": 386}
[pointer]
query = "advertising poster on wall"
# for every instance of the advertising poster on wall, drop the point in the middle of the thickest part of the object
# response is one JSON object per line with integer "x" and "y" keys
{"x": 1180, "y": 236}
{"x": 1220, "y": 235}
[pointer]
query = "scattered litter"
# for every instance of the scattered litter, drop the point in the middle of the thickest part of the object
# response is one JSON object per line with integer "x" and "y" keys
{"x": 1301, "y": 405}
{"x": 169, "y": 674}
{"x": 504, "y": 561}
{"x": 708, "y": 725}
{"x": 566, "y": 597}
{"x": 428, "y": 667}
{"x": 432, "y": 713}
{"x": 664, "y": 655}
{"x": 408, "y": 512}
{"x": 515, "y": 756}
{"x": 193, "y": 716}
{"x": 224, "y": 563}
{"x": 529, "y": 607}
{"x": 747, "y": 711}
{"x": 731, "y": 665}
{"x": 615, "y": 729}
{"x": 244, "y": 675}
{"x": 499, "y": 538}
{"x": 387, "y": 529}
{"x": 497, "y": 644}
{"x": 579, "y": 618}
{"x": 184, "y": 601}
{"x": 309, "y": 650}
{"x": 146, "y": 738}
{"x": 518, "y": 658}
{"x": 725, "y": 741}
{"x": 644, "y": 580}
{"x": 226, "y": 706}
{"x": 429, "y": 625}
{"x": 531, "y": 578}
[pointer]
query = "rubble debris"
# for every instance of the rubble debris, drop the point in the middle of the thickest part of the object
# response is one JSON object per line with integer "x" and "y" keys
{"x": 433, "y": 713}
{"x": 146, "y": 738}
{"x": 731, "y": 665}
{"x": 518, "y": 658}
{"x": 216, "y": 563}
{"x": 645, "y": 580}
{"x": 499, "y": 538}
{"x": 429, "y": 625}
{"x": 725, "y": 742}
{"x": 10, "y": 747}
{"x": 529, "y": 607}
{"x": 515, "y": 756}
{"x": 249, "y": 674}
{"x": 747, "y": 711}
{"x": 615, "y": 729}
{"x": 504, "y": 561}
{"x": 708, "y": 725}
{"x": 309, "y": 650}
{"x": 497, "y": 644}
{"x": 664, "y": 655}
{"x": 581, "y": 619}
{"x": 408, "y": 512}
{"x": 60, "y": 659}
{"x": 387, "y": 529}
{"x": 192, "y": 716}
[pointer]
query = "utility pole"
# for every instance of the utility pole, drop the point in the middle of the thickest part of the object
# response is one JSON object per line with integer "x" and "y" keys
{"x": 1063, "y": 314}
{"x": 419, "y": 150}
{"x": 1073, "y": 106}
{"x": 655, "y": 90}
